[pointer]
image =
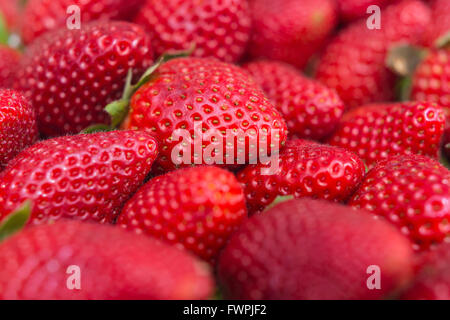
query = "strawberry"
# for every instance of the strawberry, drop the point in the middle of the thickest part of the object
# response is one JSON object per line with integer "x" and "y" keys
{"x": 304, "y": 169}
{"x": 9, "y": 59}
{"x": 290, "y": 30}
{"x": 431, "y": 79}
{"x": 312, "y": 249}
{"x": 194, "y": 208}
{"x": 201, "y": 103}
{"x": 433, "y": 280}
{"x": 41, "y": 16}
{"x": 87, "y": 177}
{"x": 70, "y": 75}
{"x": 377, "y": 132}
{"x": 10, "y": 11}
{"x": 18, "y": 128}
{"x": 43, "y": 262}
{"x": 413, "y": 193}
{"x": 354, "y": 62}
{"x": 438, "y": 31}
{"x": 311, "y": 110}
{"x": 446, "y": 140}
{"x": 219, "y": 29}
{"x": 350, "y": 10}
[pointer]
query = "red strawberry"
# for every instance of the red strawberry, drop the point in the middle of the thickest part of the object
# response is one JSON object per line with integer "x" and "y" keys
{"x": 194, "y": 208}
{"x": 354, "y": 9}
{"x": 311, "y": 110}
{"x": 42, "y": 263}
{"x": 70, "y": 75}
{"x": 447, "y": 143}
{"x": 11, "y": 13}
{"x": 9, "y": 59}
{"x": 354, "y": 62}
{"x": 18, "y": 128}
{"x": 220, "y": 98}
{"x": 83, "y": 177}
{"x": 290, "y": 30}
{"x": 310, "y": 249}
{"x": 377, "y": 132}
{"x": 413, "y": 193}
{"x": 218, "y": 29}
{"x": 438, "y": 32}
{"x": 305, "y": 169}
{"x": 41, "y": 16}
{"x": 433, "y": 280}
{"x": 431, "y": 79}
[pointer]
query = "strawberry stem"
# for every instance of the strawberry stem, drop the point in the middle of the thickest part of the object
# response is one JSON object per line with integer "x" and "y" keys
{"x": 15, "y": 222}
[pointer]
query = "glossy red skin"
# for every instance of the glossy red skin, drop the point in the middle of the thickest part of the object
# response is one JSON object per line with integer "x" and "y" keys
{"x": 354, "y": 62}
{"x": 85, "y": 177}
{"x": 189, "y": 90}
{"x": 41, "y": 16}
{"x": 350, "y": 10}
{"x": 18, "y": 127}
{"x": 413, "y": 193}
{"x": 306, "y": 169}
{"x": 378, "y": 132}
{"x": 311, "y": 110}
{"x": 71, "y": 75}
{"x": 440, "y": 23}
{"x": 289, "y": 30}
{"x": 193, "y": 208}
{"x": 433, "y": 280}
{"x": 9, "y": 59}
{"x": 219, "y": 29}
{"x": 311, "y": 249}
{"x": 113, "y": 264}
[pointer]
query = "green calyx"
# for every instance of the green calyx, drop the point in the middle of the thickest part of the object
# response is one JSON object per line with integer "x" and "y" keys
{"x": 444, "y": 41}
{"x": 119, "y": 109}
{"x": 4, "y": 32}
{"x": 15, "y": 222}
{"x": 278, "y": 200}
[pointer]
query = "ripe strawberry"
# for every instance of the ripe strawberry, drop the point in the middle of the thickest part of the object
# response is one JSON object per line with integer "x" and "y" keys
{"x": 87, "y": 177}
{"x": 354, "y": 62}
{"x": 42, "y": 263}
{"x": 290, "y": 30}
{"x": 194, "y": 208}
{"x": 203, "y": 96}
{"x": 311, "y": 249}
{"x": 377, "y": 132}
{"x": 438, "y": 32}
{"x": 70, "y": 75}
{"x": 431, "y": 79}
{"x": 11, "y": 13}
{"x": 433, "y": 280}
{"x": 18, "y": 128}
{"x": 413, "y": 193}
{"x": 219, "y": 29}
{"x": 305, "y": 169}
{"x": 41, "y": 16}
{"x": 9, "y": 59}
{"x": 311, "y": 110}
{"x": 350, "y": 10}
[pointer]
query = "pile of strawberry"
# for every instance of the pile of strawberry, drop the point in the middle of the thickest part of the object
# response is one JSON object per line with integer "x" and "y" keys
{"x": 357, "y": 207}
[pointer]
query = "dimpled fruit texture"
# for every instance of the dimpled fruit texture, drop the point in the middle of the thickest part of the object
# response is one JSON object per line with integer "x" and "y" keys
{"x": 41, "y": 16}
{"x": 277, "y": 25}
{"x": 439, "y": 28}
{"x": 303, "y": 169}
{"x": 311, "y": 110}
{"x": 194, "y": 208}
{"x": 18, "y": 128}
{"x": 431, "y": 80}
{"x": 43, "y": 262}
{"x": 205, "y": 97}
{"x": 433, "y": 280}
{"x": 86, "y": 177}
{"x": 71, "y": 75}
{"x": 354, "y": 62}
{"x": 217, "y": 28}
{"x": 413, "y": 193}
{"x": 313, "y": 249}
{"x": 9, "y": 59}
{"x": 378, "y": 132}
